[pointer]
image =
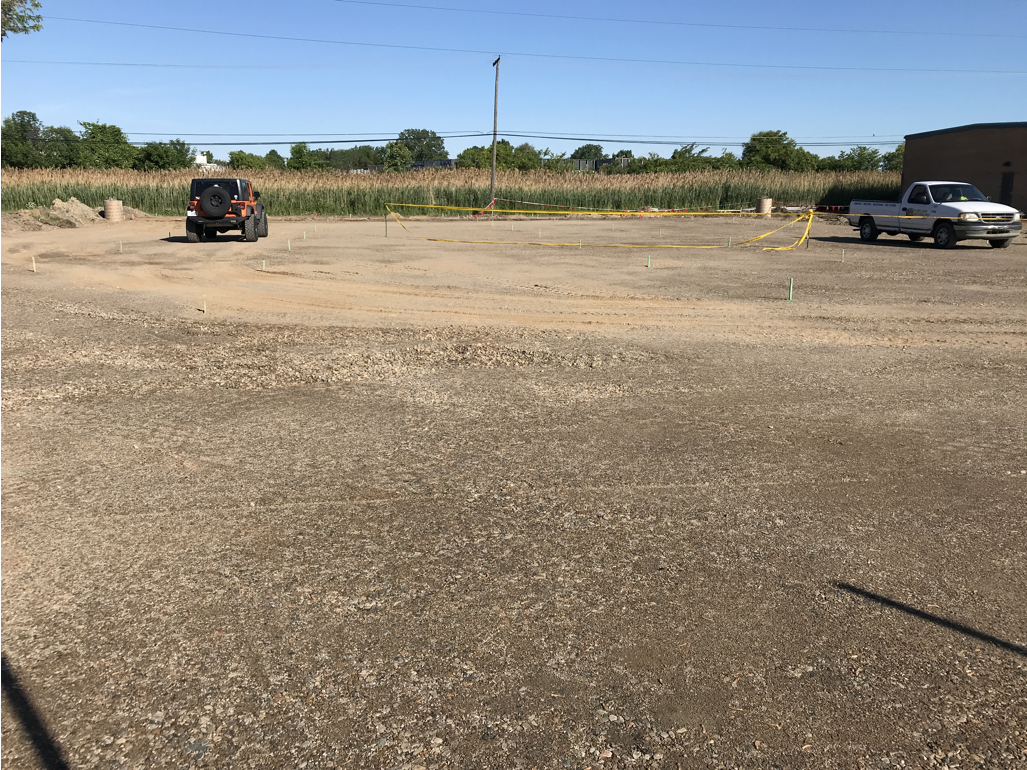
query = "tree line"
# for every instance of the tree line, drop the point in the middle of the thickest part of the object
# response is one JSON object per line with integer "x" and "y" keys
{"x": 764, "y": 151}
{"x": 27, "y": 143}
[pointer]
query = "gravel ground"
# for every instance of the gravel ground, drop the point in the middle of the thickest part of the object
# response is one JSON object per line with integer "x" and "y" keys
{"x": 399, "y": 504}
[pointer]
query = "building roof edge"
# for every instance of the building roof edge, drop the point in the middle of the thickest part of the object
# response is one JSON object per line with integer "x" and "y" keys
{"x": 971, "y": 127}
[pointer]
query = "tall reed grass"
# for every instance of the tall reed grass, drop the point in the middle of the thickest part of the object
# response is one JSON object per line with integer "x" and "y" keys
{"x": 292, "y": 192}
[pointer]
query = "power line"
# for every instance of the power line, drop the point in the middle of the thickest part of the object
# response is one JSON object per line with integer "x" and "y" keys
{"x": 478, "y": 52}
{"x": 706, "y": 25}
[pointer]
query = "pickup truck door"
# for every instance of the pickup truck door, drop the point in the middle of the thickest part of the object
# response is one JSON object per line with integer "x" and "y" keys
{"x": 917, "y": 204}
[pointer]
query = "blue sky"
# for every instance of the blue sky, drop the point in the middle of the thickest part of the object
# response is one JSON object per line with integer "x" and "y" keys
{"x": 309, "y": 90}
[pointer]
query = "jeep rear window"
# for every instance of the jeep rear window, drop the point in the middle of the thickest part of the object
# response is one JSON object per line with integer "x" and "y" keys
{"x": 230, "y": 185}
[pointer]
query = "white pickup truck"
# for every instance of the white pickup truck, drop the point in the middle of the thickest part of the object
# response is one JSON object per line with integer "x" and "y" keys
{"x": 948, "y": 212}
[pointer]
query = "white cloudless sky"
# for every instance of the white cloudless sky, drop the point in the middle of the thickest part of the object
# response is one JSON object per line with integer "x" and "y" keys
{"x": 714, "y": 73}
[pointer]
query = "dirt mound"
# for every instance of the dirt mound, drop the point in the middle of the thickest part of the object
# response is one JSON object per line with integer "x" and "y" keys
{"x": 74, "y": 211}
{"x": 33, "y": 220}
{"x": 60, "y": 214}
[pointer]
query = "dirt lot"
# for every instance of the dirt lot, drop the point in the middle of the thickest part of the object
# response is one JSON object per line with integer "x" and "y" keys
{"x": 391, "y": 503}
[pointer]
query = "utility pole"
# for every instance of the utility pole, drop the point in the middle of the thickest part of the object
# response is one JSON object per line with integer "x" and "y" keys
{"x": 495, "y": 132}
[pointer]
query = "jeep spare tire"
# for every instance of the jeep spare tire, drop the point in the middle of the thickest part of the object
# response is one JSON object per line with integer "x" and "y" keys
{"x": 215, "y": 201}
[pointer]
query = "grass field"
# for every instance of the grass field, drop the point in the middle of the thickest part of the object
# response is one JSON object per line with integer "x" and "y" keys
{"x": 286, "y": 193}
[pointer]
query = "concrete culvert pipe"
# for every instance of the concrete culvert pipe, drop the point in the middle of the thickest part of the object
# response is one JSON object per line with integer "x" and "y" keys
{"x": 113, "y": 211}
{"x": 764, "y": 206}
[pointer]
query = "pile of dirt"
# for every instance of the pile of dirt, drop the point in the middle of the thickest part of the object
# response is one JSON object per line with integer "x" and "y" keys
{"x": 74, "y": 211}
{"x": 30, "y": 220}
{"x": 60, "y": 214}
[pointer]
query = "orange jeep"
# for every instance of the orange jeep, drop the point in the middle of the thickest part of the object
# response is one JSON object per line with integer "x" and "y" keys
{"x": 219, "y": 205}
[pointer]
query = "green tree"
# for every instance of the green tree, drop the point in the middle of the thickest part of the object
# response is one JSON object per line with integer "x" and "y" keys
{"x": 362, "y": 156}
{"x": 504, "y": 155}
{"x": 240, "y": 159}
{"x": 654, "y": 162}
{"x": 60, "y": 147}
{"x": 476, "y": 157}
{"x": 398, "y": 157}
{"x": 526, "y": 157}
{"x": 159, "y": 156}
{"x": 588, "y": 152}
{"x": 274, "y": 159}
{"x": 165, "y": 156}
{"x": 892, "y": 161}
{"x": 21, "y": 140}
{"x": 18, "y": 18}
{"x": 767, "y": 150}
{"x": 624, "y": 154}
{"x": 185, "y": 155}
{"x": 859, "y": 158}
{"x": 423, "y": 144}
{"x": 555, "y": 162}
{"x": 105, "y": 146}
{"x": 687, "y": 158}
{"x": 728, "y": 161}
{"x": 301, "y": 158}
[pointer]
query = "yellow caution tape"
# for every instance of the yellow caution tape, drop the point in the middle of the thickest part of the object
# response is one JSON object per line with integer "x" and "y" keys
{"x": 607, "y": 213}
{"x": 803, "y": 237}
{"x": 808, "y": 217}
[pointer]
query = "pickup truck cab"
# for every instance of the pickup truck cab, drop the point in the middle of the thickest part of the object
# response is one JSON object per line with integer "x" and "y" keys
{"x": 948, "y": 212}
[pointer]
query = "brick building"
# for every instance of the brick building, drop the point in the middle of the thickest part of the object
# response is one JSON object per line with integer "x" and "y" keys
{"x": 991, "y": 156}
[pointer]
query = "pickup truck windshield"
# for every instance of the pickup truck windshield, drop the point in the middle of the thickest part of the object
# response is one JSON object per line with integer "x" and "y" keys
{"x": 949, "y": 193}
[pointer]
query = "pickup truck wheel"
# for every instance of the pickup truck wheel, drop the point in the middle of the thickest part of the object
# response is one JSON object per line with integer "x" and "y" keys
{"x": 868, "y": 230}
{"x": 1000, "y": 244}
{"x": 262, "y": 225}
{"x": 916, "y": 238}
{"x": 192, "y": 233}
{"x": 945, "y": 236}
{"x": 249, "y": 229}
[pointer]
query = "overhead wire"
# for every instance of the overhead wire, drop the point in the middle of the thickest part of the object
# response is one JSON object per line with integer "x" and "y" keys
{"x": 670, "y": 23}
{"x": 480, "y": 52}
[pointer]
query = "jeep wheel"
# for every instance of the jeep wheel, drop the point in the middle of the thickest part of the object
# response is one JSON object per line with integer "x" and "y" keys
{"x": 215, "y": 201}
{"x": 249, "y": 229}
{"x": 1002, "y": 243}
{"x": 192, "y": 233}
{"x": 945, "y": 236}
{"x": 262, "y": 225}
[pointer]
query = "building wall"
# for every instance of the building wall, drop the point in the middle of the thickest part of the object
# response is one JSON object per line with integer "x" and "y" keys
{"x": 991, "y": 157}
